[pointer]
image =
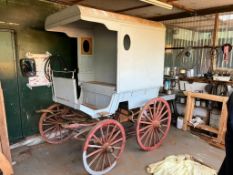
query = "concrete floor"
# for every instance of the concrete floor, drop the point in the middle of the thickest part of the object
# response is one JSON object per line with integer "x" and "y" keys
{"x": 65, "y": 159}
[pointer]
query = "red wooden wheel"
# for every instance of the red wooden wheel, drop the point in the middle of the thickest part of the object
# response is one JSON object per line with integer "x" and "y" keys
{"x": 103, "y": 147}
{"x": 50, "y": 125}
{"x": 153, "y": 124}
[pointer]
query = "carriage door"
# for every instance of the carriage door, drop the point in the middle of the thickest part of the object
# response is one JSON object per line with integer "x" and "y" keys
{"x": 9, "y": 83}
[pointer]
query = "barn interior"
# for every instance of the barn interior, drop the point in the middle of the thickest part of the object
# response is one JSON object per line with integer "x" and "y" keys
{"x": 61, "y": 81}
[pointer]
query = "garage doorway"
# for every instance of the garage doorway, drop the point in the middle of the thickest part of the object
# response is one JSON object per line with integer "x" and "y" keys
{"x": 9, "y": 82}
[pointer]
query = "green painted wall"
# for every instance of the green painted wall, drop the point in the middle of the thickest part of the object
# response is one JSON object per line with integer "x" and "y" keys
{"x": 26, "y": 18}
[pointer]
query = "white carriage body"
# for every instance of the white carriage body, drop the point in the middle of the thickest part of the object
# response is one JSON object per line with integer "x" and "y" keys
{"x": 110, "y": 74}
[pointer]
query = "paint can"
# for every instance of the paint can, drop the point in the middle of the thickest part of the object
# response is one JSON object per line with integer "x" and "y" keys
{"x": 179, "y": 122}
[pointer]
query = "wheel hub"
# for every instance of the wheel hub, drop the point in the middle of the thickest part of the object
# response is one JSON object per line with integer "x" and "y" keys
{"x": 156, "y": 123}
{"x": 108, "y": 148}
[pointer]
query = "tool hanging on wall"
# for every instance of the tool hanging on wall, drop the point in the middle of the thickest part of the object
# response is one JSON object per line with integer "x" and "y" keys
{"x": 226, "y": 48}
{"x": 28, "y": 67}
{"x": 185, "y": 58}
{"x": 54, "y": 62}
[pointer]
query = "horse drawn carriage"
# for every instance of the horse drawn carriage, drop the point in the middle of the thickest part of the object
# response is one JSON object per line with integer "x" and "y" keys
{"x": 120, "y": 72}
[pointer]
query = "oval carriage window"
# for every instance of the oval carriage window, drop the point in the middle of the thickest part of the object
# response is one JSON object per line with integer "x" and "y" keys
{"x": 127, "y": 42}
{"x": 86, "y": 46}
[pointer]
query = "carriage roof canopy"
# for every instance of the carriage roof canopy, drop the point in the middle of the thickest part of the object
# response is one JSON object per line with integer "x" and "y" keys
{"x": 109, "y": 19}
{"x": 139, "y": 67}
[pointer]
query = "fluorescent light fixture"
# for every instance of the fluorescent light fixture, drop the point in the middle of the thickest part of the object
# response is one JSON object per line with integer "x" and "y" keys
{"x": 226, "y": 17}
{"x": 158, "y": 3}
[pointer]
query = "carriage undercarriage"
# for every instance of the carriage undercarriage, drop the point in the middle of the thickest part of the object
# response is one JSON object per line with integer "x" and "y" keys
{"x": 104, "y": 138}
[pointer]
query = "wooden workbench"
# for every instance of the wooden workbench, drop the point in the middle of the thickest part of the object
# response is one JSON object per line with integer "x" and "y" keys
{"x": 221, "y": 131}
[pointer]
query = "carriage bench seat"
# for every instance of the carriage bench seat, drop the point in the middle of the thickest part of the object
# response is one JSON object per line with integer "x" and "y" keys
{"x": 97, "y": 95}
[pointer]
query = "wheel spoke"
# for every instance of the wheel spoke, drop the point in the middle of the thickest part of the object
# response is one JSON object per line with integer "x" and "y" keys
{"x": 53, "y": 115}
{"x": 98, "y": 162}
{"x": 60, "y": 132}
{"x": 94, "y": 152}
{"x": 158, "y": 136}
{"x": 164, "y": 119}
{"x": 94, "y": 146}
{"x": 47, "y": 124}
{"x": 151, "y": 137}
{"x": 97, "y": 139}
{"x": 102, "y": 134}
{"x": 161, "y": 131}
{"x": 161, "y": 110}
{"x": 103, "y": 162}
{"x": 154, "y": 110}
{"x": 145, "y": 133}
{"x": 164, "y": 125}
{"x": 114, "y": 137}
{"x": 154, "y": 140}
{"x": 147, "y": 137}
{"x": 116, "y": 141}
{"x": 144, "y": 122}
{"x": 49, "y": 129}
{"x": 109, "y": 161}
{"x": 116, "y": 147}
{"x": 95, "y": 158}
{"x": 114, "y": 155}
{"x": 113, "y": 130}
{"x": 151, "y": 115}
{"x": 164, "y": 113}
{"x": 144, "y": 128}
{"x": 155, "y": 136}
{"x": 146, "y": 116}
{"x": 53, "y": 131}
{"x": 158, "y": 107}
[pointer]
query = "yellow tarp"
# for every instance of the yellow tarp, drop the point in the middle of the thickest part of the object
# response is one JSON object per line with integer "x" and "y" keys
{"x": 179, "y": 165}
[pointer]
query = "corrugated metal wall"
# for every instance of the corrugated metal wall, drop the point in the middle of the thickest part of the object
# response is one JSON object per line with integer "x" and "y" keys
{"x": 197, "y": 33}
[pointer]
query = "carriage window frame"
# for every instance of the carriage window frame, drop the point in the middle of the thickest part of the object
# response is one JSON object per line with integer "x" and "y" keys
{"x": 85, "y": 40}
{"x": 127, "y": 42}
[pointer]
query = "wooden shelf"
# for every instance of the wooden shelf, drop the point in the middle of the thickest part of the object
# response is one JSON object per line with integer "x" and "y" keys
{"x": 205, "y": 80}
{"x": 190, "y": 104}
{"x": 206, "y": 128}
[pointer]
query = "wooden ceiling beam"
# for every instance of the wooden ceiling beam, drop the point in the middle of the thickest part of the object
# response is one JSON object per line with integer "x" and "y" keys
{"x": 206, "y": 11}
{"x": 133, "y": 8}
{"x": 181, "y": 7}
{"x": 172, "y": 2}
{"x": 66, "y": 2}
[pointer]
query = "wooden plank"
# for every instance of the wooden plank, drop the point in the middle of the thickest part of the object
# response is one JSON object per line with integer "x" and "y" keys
{"x": 206, "y": 128}
{"x": 5, "y": 165}
{"x": 204, "y": 80}
{"x": 133, "y": 8}
{"x": 223, "y": 123}
{"x": 0, "y": 146}
{"x": 182, "y": 7}
{"x": 3, "y": 128}
{"x": 187, "y": 110}
{"x": 215, "y": 40}
{"x": 220, "y": 9}
{"x": 209, "y": 97}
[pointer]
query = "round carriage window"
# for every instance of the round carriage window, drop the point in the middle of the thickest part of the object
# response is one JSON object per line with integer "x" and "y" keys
{"x": 127, "y": 42}
{"x": 86, "y": 46}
